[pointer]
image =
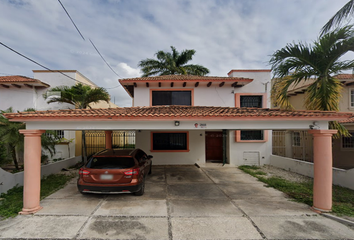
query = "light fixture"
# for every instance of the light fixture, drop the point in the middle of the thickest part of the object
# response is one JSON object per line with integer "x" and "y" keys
{"x": 314, "y": 126}
{"x": 176, "y": 123}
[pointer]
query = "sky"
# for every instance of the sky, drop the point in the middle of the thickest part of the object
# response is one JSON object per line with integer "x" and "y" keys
{"x": 226, "y": 34}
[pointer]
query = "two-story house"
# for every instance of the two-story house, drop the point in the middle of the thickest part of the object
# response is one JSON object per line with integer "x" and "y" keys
{"x": 242, "y": 88}
{"x": 179, "y": 118}
{"x": 299, "y": 144}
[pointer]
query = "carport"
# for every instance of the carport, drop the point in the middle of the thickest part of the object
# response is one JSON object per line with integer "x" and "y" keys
{"x": 164, "y": 118}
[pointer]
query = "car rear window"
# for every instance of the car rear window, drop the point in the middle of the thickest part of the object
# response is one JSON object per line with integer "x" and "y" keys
{"x": 111, "y": 163}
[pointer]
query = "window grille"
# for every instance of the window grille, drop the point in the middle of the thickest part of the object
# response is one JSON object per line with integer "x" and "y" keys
{"x": 348, "y": 142}
{"x": 59, "y": 133}
{"x": 251, "y": 101}
{"x": 352, "y": 97}
{"x": 252, "y": 135}
{"x": 296, "y": 139}
{"x": 169, "y": 141}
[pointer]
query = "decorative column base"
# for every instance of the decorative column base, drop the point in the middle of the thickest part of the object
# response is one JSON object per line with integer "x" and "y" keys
{"x": 30, "y": 211}
{"x": 317, "y": 210}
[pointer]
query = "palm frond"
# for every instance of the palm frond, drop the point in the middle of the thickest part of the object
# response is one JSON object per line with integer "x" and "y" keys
{"x": 337, "y": 19}
{"x": 169, "y": 63}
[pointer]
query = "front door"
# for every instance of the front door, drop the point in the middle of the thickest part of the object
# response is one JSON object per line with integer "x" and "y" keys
{"x": 213, "y": 146}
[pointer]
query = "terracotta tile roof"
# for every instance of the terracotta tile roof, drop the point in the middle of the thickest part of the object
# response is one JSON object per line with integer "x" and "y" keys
{"x": 185, "y": 78}
{"x": 21, "y": 80}
{"x": 174, "y": 112}
{"x": 348, "y": 120}
{"x": 344, "y": 76}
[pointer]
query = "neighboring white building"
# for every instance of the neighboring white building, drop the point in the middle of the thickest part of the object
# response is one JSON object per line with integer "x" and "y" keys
{"x": 243, "y": 88}
{"x": 21, "y": 93}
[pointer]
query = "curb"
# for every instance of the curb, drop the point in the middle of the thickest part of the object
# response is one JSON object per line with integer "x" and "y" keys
{"x": 338, "y": 219}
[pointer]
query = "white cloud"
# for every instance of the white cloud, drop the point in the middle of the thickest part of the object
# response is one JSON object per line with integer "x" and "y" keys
{"x": 226, "y": 35}
{"x": 127, "y": 71}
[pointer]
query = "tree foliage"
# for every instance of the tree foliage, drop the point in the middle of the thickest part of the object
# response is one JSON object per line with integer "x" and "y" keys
{"x": 315, "y": 65}
{"x": 344, "y": 13}
{"x": 13, "y": 141}
{"x": 172, "y": 63}
{"x": 81, "y": 96}
{"x": 78, "y": 95}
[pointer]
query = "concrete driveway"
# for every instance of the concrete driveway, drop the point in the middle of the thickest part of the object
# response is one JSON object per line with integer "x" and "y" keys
{"x": 180, "y": 202}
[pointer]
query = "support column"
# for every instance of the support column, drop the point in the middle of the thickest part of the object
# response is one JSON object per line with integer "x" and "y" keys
{"x": 108, "y": 139}
{"x": 32, "y": 171}
{"x": 322, "y": 159}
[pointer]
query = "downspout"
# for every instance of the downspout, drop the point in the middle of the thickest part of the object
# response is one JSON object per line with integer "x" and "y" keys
{"x": 224, "y": 141}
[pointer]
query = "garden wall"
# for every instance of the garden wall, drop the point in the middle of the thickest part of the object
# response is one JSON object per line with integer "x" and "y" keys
{"x": 9, "y": 180}
{"x": 344, "y": 178}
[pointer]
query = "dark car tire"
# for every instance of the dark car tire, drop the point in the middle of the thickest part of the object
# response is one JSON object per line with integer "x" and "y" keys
{"x": 150, "y": 171}
{"x": 142, "y": 189}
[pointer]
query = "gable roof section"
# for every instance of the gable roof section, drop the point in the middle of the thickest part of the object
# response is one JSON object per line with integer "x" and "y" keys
{"x": 176, "y": 113}
{"x": 130, "y": 83}
{"x": 19, "y": 81}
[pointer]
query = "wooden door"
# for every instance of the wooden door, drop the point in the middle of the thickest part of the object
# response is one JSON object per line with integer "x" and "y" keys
{"x": 213, "y": 146}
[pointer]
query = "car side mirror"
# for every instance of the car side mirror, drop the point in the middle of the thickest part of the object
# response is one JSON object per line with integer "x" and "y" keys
{"x": 150, "y": 156}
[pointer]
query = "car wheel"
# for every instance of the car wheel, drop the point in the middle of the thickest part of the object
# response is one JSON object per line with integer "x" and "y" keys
{"x": 142, "y": 189}
{"x": 150, "y": 169}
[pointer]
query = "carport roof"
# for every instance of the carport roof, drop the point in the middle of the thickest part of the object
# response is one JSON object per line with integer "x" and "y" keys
{"x": 176, "y": 113}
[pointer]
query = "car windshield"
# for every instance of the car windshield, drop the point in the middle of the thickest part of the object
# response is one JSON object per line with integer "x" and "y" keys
{"x": 110, "y": 163}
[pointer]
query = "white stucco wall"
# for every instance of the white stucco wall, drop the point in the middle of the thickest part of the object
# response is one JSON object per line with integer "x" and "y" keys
{"x": 213, "y": 95}
{"x": 238, "y": 149}
{"x": 344, "y": 178}
{"x": 195, "y": 155}
{"x": 54, "y": 79}
{"x": 17, "y": 98}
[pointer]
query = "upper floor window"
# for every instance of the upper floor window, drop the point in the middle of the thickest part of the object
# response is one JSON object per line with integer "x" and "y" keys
{"x": 352, "y": 98}
{"x": 253, "y": 101}
{"x": 171, "y": 98}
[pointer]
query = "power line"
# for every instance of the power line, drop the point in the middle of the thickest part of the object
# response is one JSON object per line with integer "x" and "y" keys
{"x": 46, "y": 67}
{"x": 39, "y": 63}
{"x": 71, "y": 19}
{"x": 67, "y": 13}
{"x": 104, "y": 59}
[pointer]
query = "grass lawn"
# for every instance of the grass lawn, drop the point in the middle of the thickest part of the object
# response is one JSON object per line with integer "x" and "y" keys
{"x": 12, "y": 202}
{"x": 343, "y": 198}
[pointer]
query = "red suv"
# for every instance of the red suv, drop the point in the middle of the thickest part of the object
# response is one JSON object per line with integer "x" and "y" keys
{"x": 115, "y": 171}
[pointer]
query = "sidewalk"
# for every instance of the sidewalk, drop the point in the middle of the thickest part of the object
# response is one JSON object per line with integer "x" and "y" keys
{"x": 180, "y": 202}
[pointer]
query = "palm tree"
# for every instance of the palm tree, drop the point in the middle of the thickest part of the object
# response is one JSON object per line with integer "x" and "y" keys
{"x": 81, "y": 96}
{"x": 343, "y": 13}
{"x": 14, "y": 141}
{"x": 174, "y": 63}
{"x": 317, "y": 65}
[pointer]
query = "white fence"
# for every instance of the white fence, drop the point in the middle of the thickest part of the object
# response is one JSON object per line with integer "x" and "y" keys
{"x": 9, "y": 180}
{"x": 344, "y": 178}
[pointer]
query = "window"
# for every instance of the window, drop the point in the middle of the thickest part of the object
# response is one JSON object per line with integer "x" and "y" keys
{"x": 348, "y": 142}
{"x": 351, "y": 98}
{"x": 252, "y": 135}
{"x": 251, "y": 101}
{"x": 172, "y": 141}
{"x": 296, "y": 139}
{"x": 171, "y": 98}
{"x": 59, "y": 133}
